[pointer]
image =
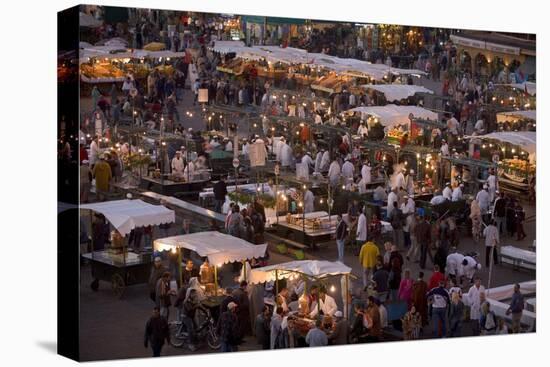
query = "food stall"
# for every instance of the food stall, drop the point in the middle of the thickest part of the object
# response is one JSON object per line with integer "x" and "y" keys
{"x": 319, "y": 272}
{"x": 517, "y": 120}
{"x": 395, "y": 119}
{"x": 218, "y": 248}
{"x": 116, "y": 264}
{"x": 517, "y": 161}
{"x": 401, "y": 93}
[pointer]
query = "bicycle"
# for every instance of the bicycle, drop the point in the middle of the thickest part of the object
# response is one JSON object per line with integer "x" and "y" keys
{"x": 179, "y": 336}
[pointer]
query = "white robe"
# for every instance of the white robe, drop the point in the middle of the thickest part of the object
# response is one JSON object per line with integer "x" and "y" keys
{"x": 307, "y": 159}
{"x": 469, "y": 270}
{"x": 400, "y": 180}
{"x": 493, "y": 187}
{"x": 318, "y": 159}
{"x": 366, "y": 173}
{"x": 286, "y": 155}
{"x": 325, "y": 161}
{"x": 408, "y": 207}
{"x": 328, "y": 306}
{"x": 348, "y": 170}
{"x": 392, "y": 198}
{"x": 229, "y": 146}
{"x": 445, "y": 150}
{"x": 454, "y": 264}
{"x": 94, "y": 153}
{"x": 363, "y": 130}
{"x": 482, "y": 198}
{"x": 177, "y": 166}
{"x": 189, "y": 171}
{"x": 473, "y": 301}
{"x": 438, "y": 199}
{"x": 362, "y": 228}
{"x": 457, "y": 194}
{"x": 245, "y": 150}
{"x": 334, "y": 173}
{"x": 447, "y": 193}
{"x": 410, "y": 184}
{"x": 309, "y": 200}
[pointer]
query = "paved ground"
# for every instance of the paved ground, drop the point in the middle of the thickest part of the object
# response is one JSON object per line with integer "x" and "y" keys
{"x": 113, "y": 328}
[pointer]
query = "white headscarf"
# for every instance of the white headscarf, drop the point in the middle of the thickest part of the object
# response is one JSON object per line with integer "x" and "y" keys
{"x": 195, "y": 284}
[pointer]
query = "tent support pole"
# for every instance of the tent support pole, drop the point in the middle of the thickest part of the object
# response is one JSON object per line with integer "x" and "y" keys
{"x": 276, "y": 286}
{"x": 244, "y": 269}
{"x": 216, "y": 280}
{"x": 179, "y": 267}
{"x": 346, "y": 301}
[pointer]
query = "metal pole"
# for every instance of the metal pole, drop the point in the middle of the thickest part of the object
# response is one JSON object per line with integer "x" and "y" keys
{"x": 276, "y": 286}
{"x": 346, "y": 301}
{"x": 179, "y": 267}
{"x": 490, "y": 268}
{"x": 216, "y": 280}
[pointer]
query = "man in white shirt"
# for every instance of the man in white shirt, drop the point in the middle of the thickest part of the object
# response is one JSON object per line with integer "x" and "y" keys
{"x": 189, "y": 171}
{"x": 307, "y": 159}
{"x": 228, "y": 145}
{"x": 325, "y": 161}
{"x": 400, "y": 180}
{"x": 245, "y": 148}
{"x": 408, "y": 207}
{"x": 318, "y": 159}
{"x": 334, "y": 172}
{"x": 214, "y": 142}
{"x": 366, "y": 172}
{"x": 447, "y": 191}
{"x": 438, "y": 199}
{"x": 361, "y": 233}
{"x": 483, "y": 200}
{"x": 309, "y": 200}
{"x": 492, "y": 239}
{"x": 177, "y": 164}
{"x": 363, "y": 130}
{"x": 457, "y": 193}
{"x": 454, "y": 265}
{"x": 493, "y": 185}
{"x": 473, "y": 298}
{"x": 452, "y": 125}
{"x": 392, "y": 198}
{"x": 327, "y": 304}
{"x": 469, "y": 267}
{"x": 348, "y": 171}
{"x": 410, "y": 182}
{"x": 94, "y": 151}
{"x": 479, "y": 127}
{"x": 286, "y": 155}
{"x": 444, "y": 148}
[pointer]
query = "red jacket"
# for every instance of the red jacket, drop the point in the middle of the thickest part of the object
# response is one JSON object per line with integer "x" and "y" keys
{"x": 437, "y": 276}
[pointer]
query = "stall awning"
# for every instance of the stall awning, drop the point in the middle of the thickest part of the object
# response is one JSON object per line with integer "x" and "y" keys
{"x": 290, "y": 55}
{"x": 220, "y": 248}
{"x": 126, "y": 215}
{"x": 525, "y": 139}
{"x": 528, "y": 87}
{"x": 391, "y": 114}
{"x": 315, "y": 269}
{"x": 397, "y": 92}
{"x": 517, "y": 115}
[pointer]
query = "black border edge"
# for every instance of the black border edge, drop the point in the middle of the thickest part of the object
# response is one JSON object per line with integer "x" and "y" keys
{"x": 68, "y": 261}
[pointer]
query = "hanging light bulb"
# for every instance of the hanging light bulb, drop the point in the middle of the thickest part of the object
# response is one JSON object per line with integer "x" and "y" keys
{"x": 332, "y": 288}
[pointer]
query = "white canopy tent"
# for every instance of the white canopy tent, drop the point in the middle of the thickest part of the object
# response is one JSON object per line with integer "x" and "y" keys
{"x": 126, "y": 215}
{"x": 529, "y": 87}
{"x": 220, "y": 248}
{"x": 516, "y": 115}
{"x": 527, "y": 140}
{"x": 391, "y": 114}
{"x": 315, "y": 269}
{"x": 397, "y": 92}
{"x": 290, "y": 55}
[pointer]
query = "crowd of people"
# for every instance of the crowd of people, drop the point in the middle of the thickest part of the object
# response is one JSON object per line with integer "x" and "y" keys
{"x": 439, "y": 301}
